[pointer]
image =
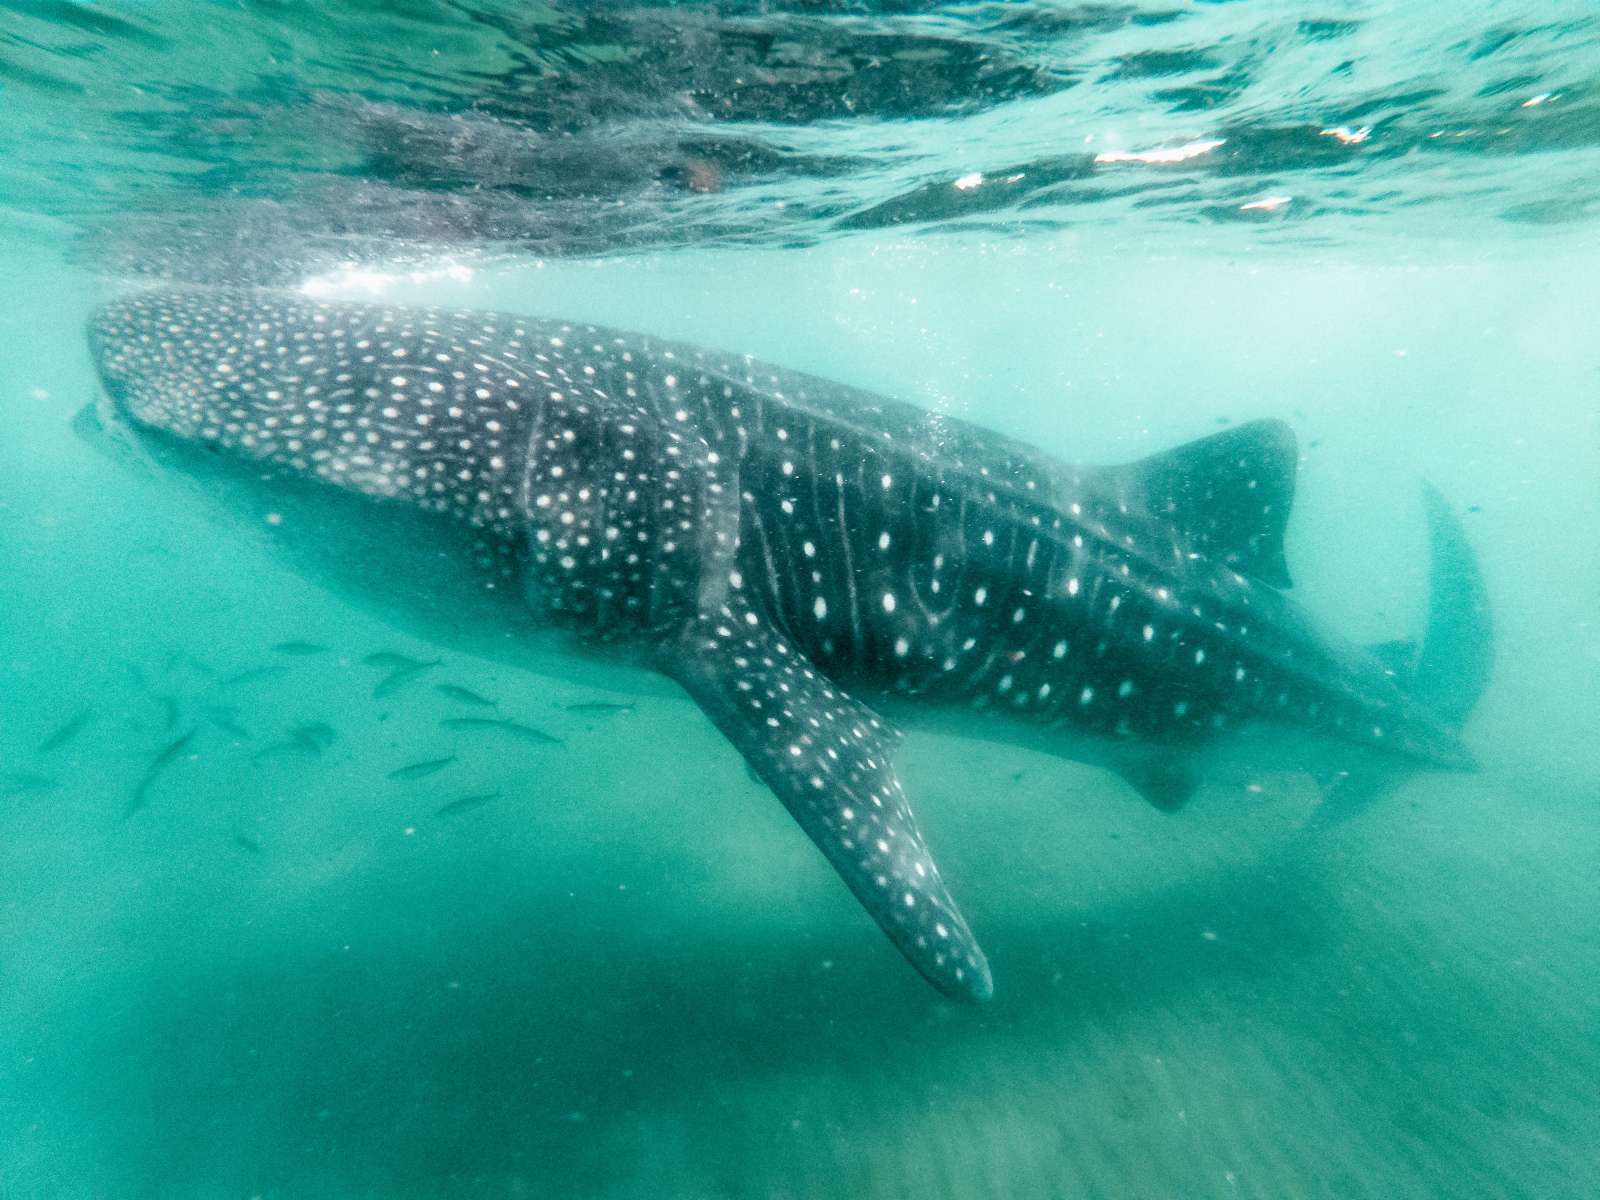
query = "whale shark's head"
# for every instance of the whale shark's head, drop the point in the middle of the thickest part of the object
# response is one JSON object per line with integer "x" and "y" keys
{"x": 420, "y": 406}
{"x": 351, "y": 441}
{"x": 150, "y": 365}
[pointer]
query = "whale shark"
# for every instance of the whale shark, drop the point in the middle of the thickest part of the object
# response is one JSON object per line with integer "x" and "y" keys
{"x": 816, "y": 566}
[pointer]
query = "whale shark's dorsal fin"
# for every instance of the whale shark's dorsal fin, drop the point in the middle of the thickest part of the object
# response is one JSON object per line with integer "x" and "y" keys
{"x": 829, "y": 759}
{"x": 1229, "y": 493}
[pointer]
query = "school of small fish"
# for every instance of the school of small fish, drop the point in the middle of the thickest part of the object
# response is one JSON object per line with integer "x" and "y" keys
{"x": 304, "y": 740}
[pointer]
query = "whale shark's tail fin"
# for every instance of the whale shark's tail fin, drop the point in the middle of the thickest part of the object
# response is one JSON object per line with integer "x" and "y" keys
{"x": 1447, "y": 674}
{"x": 1457, "y": 654}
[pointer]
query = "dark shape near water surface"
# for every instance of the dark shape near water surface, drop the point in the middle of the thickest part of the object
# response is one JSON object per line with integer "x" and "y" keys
{"x": 600, "y": 708}
{"x": 70, "y": 729}
{"x": 463, "y": 695}
{"x": 158, "y": 765}
{"x": 501, "y": 725}
{"x": 421, "y": 770}
{"x": 811, "y": 563}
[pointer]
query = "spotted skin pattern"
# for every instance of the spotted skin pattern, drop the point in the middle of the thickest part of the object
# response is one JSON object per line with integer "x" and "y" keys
{"x": 769, "y": 539}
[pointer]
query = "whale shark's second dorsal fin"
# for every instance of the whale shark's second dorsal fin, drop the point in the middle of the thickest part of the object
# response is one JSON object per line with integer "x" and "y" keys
{"x": 1229, "y": 494}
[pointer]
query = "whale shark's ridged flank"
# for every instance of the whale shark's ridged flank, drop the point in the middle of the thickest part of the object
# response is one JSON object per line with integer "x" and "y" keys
{"x": 793, "y": 552}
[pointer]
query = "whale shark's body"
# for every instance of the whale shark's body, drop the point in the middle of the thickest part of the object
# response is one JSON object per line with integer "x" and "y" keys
{"x": 798, "y": 555}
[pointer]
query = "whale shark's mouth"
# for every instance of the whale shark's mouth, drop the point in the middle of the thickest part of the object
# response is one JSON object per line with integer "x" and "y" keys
{"x": 147, "y": 376}
{"x": 101, "y": 426}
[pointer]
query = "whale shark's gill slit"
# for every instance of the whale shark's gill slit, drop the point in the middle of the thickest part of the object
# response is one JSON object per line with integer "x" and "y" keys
{"x": 829, "y": 759}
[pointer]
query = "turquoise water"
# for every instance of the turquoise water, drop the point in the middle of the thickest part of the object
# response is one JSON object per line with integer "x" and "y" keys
{"x": 628, "y": 974}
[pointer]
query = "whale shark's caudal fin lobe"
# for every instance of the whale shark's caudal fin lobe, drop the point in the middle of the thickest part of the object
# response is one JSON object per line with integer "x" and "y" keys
{"x": 829, "y": 759}
{"x": 1448, "y": 669}
{"x": 1457, "y": 653}
{"x": 1446, "y": 673}
{"x": 1230, "y": 494}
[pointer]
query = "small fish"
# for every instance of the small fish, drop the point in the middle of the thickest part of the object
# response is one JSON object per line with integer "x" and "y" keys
{"x": 464, "y": 695}
{"x": 500, "y": 724}
{"x": 600, "y": 706}
{"x": 300, "y": 649}
{"x": 253, "y": 675}
{"x": 245, "y": 843}
{"x": 399, "y": 677}
{"x": 1474, "y": 508}
{"x": 169, "y": 711}
{"x": 466, "y": 802}
{"x": 20, "y": 783}
{"x": 388, "y": 660}
{"x": 152, "y": 773}
{"x": 224, "y": 717}
{"x": 421, "y": 770}
{"x": 318, "y": 735}
{"x": 67, "y": 732}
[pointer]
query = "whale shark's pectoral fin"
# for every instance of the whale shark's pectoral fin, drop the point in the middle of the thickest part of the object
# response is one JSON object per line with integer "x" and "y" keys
{"x": 829, "y": 759}
{"x": 1229, "y": 493}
